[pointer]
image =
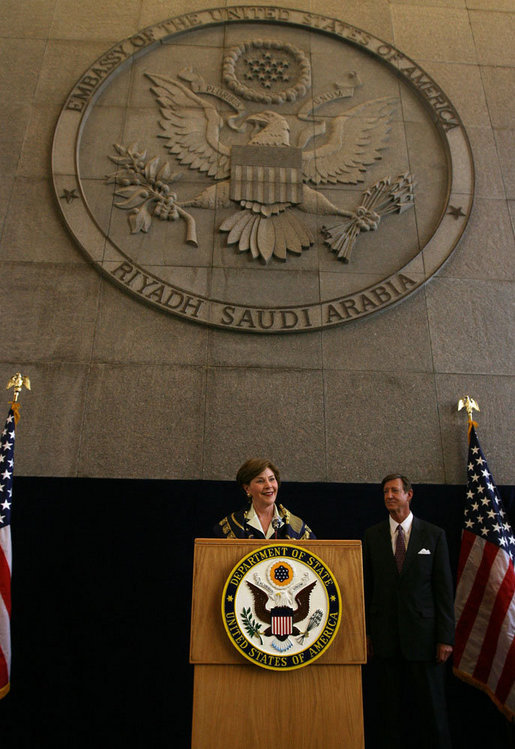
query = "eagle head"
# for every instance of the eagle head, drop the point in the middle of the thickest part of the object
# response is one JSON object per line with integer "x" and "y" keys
{"x": 271, "y": 129}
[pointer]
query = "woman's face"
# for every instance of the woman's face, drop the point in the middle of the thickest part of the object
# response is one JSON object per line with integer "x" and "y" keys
{"x": 263, "y": 489}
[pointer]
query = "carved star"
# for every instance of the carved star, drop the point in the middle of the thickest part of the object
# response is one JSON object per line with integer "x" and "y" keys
{"x": 69, "y": 195}
{"x": 455, "y": 211}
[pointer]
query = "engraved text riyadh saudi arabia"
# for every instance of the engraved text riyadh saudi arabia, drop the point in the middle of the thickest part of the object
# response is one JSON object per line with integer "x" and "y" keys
{"x": 260, "y": 169}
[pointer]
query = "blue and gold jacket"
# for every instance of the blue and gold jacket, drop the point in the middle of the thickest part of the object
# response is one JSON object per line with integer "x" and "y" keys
{"x": 235, "y": 525}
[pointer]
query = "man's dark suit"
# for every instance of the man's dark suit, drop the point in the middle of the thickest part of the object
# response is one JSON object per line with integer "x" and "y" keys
{"x": 408, "y": 613}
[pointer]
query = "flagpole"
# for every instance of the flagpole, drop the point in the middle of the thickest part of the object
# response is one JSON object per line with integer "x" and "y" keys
{"x": 17, "y": 381}
{"x": 7, "y": 439}
{"x": 470, "y": 405}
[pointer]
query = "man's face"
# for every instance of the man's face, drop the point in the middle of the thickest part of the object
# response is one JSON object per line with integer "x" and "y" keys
{"x": 396, "y": 499}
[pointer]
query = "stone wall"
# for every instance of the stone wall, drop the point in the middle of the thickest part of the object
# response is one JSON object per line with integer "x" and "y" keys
{"x": 123, "y": 389}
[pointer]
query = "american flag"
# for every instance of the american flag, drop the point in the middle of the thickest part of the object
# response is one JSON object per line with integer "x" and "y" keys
{"x": 484, "y": 653}
{"x": 6, "y": 485}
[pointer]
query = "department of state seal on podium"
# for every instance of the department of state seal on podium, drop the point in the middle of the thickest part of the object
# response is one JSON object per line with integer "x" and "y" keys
{"x": 281, "y": 607}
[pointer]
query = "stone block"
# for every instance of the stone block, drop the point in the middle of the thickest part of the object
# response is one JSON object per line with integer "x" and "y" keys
{"x": 463, "y": 84}
{"x": 333, "y": 60}
{"x": 33, "y": 203}
{"x": 6, "y": 187}
{"x": 49, "y": 311}
{"x": 264, "y": 412}
{"x": 493, "y": 36}
{"x": 491, "y": 257}
{"x": 34, "y": 155}
{"x": 130, "y": 331}
{"x": 378, "y": 344}
{"x": 154, "y": 12}
{"x": 372, "y": 16}
{"x": 12, "y": 134}
{"x": 499, "y": 83}
{"x": 105, "y": 125}
{"x": 49, "y": 431}
{"x": 495, "y": 397}
{"x": 433, "y": 33}
{"x": 119, "y": 20}
{"x": 143, "y": 421}
{"x": 20, "y": 63}
{"x": 271, "y": 288}
{"x": 505, "y": 140}
{"x": 511, "y": 208}
{"x": 30, "y": 19}
{"x": 471, "y": 326}
{"x": 298, "y": 351}
{"x": 63, "y": 65}
{"x": 489, "y": 181}
{"x": 435, "y": 3}
{"x": 506, "y": 5}
{"x": 379, "y": 423}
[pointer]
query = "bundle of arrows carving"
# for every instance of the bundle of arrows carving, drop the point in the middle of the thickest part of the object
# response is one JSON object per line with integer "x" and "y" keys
{"x": 377, "y": 201}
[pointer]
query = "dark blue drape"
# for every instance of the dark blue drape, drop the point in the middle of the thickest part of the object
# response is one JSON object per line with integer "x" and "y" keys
{"x": 101, "y": 604}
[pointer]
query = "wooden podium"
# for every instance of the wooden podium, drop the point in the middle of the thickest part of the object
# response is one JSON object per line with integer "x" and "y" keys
{"x": 238, "y": 704}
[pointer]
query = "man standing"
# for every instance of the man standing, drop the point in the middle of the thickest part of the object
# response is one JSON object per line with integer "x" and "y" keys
{"x": 410, "y": 618}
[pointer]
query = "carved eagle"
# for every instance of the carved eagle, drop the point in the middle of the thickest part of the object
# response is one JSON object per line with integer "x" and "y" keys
{"x": 266, "y": 224}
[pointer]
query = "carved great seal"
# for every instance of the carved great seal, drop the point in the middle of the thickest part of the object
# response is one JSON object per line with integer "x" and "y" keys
{"x": 255, "y": 188}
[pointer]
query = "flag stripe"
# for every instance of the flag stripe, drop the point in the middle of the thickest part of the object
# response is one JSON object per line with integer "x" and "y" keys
{"x": 4, "y": 671}
{"x": 476, "y": 636}
{"x": 5, "y": 568}
{"x": 467, "y": 541}
{"x": 505, "y": 683}
{"x": 470, "y": 611}
{"x": 475, "y": 552}
{"x": 5, "y": 646}
{"x": 500, "y": 608}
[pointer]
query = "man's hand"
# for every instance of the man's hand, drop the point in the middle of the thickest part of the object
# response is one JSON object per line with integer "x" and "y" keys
{"x": 443, "y": 652}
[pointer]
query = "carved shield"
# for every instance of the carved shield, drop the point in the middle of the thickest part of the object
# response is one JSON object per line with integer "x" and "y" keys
{"x": 266, "y": 174}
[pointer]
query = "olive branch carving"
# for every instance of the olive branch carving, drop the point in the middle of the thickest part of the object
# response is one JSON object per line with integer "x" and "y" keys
{"x": 145, "y": 186}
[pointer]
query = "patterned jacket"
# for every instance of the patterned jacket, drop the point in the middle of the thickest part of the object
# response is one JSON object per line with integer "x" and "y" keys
{"x": 235, "y": 525}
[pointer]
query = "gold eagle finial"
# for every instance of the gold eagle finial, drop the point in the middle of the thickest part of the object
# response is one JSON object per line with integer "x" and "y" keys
{"x": 18, "y": 381}
{"x": 469, "y": 404}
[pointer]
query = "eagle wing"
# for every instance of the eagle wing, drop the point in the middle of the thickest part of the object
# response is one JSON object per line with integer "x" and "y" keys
{"x": 354, "y": 141}
{"x": 192, "y": 125}
{"x": 260, "y": 600}
{"x": 302, "y": 599}
{"x": 19, "y": 381}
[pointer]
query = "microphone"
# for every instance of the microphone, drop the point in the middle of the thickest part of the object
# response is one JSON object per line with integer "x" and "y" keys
{"x": 276, "y": 524}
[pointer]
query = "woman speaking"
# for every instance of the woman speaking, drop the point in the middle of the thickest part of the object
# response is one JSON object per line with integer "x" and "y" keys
{"x": 262, "y": 517}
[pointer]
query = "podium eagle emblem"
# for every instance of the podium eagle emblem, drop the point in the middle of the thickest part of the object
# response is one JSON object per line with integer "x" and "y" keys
{"x": 281, "y": 607}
